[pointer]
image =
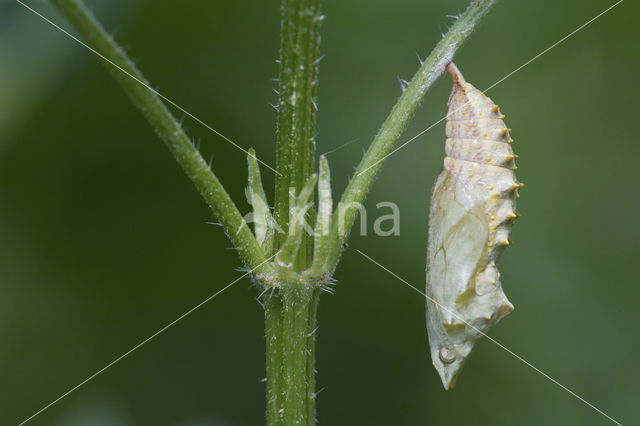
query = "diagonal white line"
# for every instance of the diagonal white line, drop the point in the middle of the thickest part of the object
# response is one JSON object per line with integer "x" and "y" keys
{"x": 553, "y": 45}
{"x": 141, "y": 344}
{"x": 496, "y": 83}
{"x": 151, "y": 89}
{"x": 500, "y": 345}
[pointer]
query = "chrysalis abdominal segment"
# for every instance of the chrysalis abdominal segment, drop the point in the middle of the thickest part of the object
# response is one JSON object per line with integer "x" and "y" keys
{"x": 471, "y": 214}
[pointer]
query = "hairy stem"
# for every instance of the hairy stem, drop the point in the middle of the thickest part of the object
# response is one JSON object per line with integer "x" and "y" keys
{"x": 395, "y": 123}
{"x": 295, "y": 356}
{"x": 299, "y": 49}
{"x": 290, "y": 328}
{"x": 169, "y": 130}
{"x": 273, "y": 331}
{"x": 290, "y": 312}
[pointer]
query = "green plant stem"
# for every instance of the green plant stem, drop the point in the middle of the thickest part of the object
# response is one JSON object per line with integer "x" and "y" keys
{"x": 395, "y": 123}
{"x": 290, "y": 312}
{"x": 169, "y": 131}
{"x": 273, "y": 330}
{"x": 295, "y": 355}
{"x": 290, "y": 328}
{"x": 295, "y": 152}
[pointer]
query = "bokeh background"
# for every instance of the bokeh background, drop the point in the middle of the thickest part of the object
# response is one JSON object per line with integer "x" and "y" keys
{"x": 104, "y": 241}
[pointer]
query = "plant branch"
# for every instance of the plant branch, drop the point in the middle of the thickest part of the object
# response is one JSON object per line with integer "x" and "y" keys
{"x": 395, "y": 123}
{"x": 169, "y": 130}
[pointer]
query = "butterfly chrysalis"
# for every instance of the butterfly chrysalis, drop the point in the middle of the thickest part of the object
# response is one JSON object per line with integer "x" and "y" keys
{"x": 471, "y": 214}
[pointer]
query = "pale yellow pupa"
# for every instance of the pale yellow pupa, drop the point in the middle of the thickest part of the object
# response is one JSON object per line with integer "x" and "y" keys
{"x": 471, "y": 214}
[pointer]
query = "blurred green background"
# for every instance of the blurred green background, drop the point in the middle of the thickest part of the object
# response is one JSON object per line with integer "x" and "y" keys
{"x": 104, "y": 241}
